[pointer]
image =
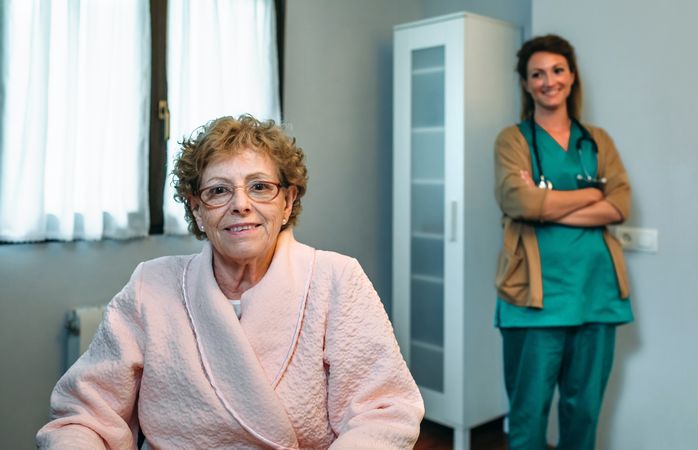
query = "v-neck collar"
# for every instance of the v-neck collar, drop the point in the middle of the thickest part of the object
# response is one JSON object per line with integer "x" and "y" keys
{"x": 538, "y": 127}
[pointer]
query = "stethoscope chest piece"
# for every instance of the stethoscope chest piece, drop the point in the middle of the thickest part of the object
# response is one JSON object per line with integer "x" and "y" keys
{"x": 545, "y": 184}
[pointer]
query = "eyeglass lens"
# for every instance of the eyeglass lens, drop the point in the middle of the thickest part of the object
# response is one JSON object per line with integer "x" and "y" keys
{"x": 220, "y": 194}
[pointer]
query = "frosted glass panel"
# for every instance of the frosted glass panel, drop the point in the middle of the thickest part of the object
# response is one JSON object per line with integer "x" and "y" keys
{"x": 427, "y": 110}
{"x": 427, "y": 258}
{"x": 428, "y": 208}
{"x": 427, "y": 365}
{"x": 427, "y": 320}
{"x": 428, "y": 154}
{"x": 427, "y": 218}
{"x": 428, "y": 58}
{"x": 428, "y": 87}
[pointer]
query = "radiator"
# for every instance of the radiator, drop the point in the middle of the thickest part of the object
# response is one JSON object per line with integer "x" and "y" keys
{"x": 82, "y": 324}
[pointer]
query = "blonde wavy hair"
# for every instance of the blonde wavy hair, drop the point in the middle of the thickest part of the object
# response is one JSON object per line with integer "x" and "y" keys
{"x": 227, "y": 136}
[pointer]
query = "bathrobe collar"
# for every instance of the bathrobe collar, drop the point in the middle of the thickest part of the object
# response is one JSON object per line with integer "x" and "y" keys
{"x": 245, "y": 360}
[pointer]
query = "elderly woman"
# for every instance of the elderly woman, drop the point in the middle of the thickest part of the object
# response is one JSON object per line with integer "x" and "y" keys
{"x": 258, "y": 341}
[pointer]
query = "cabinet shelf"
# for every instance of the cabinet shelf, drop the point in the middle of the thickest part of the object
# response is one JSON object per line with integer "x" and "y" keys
{"x": 427, "y": 235}
{"x": 428, "y": 70}
{"x": 428, "y": 346}
{"x": 425, "y": 130}
{"x": 427, "y": 278}
{"x": 428, "y": 182}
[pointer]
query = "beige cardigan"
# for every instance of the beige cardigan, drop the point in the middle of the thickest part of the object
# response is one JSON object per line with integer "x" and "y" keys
{"x": 312, "y": 363}
{"x": 519, "y": 277}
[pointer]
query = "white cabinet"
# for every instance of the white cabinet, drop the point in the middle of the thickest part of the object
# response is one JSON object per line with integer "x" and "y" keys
{"x": 454, "y": 89}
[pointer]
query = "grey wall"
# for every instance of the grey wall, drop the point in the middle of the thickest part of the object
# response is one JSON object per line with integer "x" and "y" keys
{"x": 517, "y": 12}
{"x": 338, "y": 99}
{"x": 637, "y": 60}
{"x": 39, "y": 284}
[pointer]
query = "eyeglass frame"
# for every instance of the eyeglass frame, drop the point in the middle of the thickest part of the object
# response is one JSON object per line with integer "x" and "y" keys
{"x": 233, "y": 188}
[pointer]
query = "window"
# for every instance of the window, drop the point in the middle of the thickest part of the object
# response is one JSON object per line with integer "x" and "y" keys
{"x": 221, "y": 61}
{"x": 74, "y": 127}
{"x": 77, "y": 98}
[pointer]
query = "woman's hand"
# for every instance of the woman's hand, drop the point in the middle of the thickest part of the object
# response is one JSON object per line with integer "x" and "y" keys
{"x": 561, "y": 205}
{"x": 528, "y": 179}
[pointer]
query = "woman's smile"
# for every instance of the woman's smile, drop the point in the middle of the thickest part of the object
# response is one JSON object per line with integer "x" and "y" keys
{"x": 241, "y": 228}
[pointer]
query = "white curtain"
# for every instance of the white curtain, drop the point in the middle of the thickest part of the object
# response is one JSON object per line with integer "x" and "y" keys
{"x": 75, "y": 85}
{"x": 221, "y": 61}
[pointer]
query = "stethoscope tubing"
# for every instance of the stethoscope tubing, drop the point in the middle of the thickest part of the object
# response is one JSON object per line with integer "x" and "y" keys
{"x": 586, "y": 136}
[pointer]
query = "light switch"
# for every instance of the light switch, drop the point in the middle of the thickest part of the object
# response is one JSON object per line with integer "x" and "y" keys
{"x": 637, "y": 239}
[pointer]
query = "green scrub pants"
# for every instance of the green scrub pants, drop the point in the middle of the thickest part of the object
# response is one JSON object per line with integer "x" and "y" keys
{"x": 578, "y": 360}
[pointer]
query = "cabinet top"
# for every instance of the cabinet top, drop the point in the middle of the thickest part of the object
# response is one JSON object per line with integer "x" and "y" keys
{"x": 462, "y": 15}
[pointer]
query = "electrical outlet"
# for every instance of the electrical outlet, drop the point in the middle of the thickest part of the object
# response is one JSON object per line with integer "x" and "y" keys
{"x": 637, "y": 239}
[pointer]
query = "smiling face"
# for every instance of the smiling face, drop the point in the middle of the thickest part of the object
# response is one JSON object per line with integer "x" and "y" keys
{"x": 243, "y": 231}
{"x": 549, "y": 81}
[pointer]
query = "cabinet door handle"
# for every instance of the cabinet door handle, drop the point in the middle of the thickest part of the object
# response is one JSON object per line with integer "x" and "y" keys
{"x": 454, "y": 221}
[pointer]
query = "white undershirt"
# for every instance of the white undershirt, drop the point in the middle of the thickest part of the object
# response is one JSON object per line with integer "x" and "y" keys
{"x": 236, "y": 306}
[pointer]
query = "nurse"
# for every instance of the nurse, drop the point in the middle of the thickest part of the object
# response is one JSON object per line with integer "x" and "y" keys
{"x": 561, "y": 280}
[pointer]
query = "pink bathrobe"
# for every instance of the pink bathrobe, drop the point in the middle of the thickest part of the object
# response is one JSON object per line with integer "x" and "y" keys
{"x": 312, "y": 363}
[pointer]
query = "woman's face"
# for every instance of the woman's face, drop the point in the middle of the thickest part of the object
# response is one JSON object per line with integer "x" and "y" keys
{"x": 549, "y": 80}
{"x": 243, "y": 231}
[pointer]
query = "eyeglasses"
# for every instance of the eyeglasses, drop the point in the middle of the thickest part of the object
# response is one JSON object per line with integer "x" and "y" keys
{"x": 218, "y": 195}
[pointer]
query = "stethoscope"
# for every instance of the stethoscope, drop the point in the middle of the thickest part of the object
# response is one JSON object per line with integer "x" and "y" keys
{"x": 583, "y": 180}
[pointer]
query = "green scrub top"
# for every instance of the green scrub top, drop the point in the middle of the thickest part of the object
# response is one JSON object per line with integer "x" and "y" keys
{"x": 579, "y": 279}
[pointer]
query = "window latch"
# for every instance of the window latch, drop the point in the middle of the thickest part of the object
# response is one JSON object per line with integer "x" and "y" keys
{"x": 164, "y": 115}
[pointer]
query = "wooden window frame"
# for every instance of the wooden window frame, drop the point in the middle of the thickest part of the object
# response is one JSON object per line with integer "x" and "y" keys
{"x": 157, "y": 159}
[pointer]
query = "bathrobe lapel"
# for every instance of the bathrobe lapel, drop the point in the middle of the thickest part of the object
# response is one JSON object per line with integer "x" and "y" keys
{"x": 272, "y": 311}
{"x": 242, "y": 378}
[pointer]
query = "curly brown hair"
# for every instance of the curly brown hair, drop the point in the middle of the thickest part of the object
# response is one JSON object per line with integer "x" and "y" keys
{"x": 550, "y": 43}
{"x": 228, "y": 136}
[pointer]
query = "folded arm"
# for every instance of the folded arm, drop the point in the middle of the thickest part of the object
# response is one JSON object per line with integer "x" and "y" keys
{"x": 595, "y": 215}
{"x": 517, "y": 196}
{"x": 373, "y": 400}
{"x": 520, "y": 198}
{"x": 93, "y": 405}
{"x": 559, "y": 204}
{"x": 617, "y": 191}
